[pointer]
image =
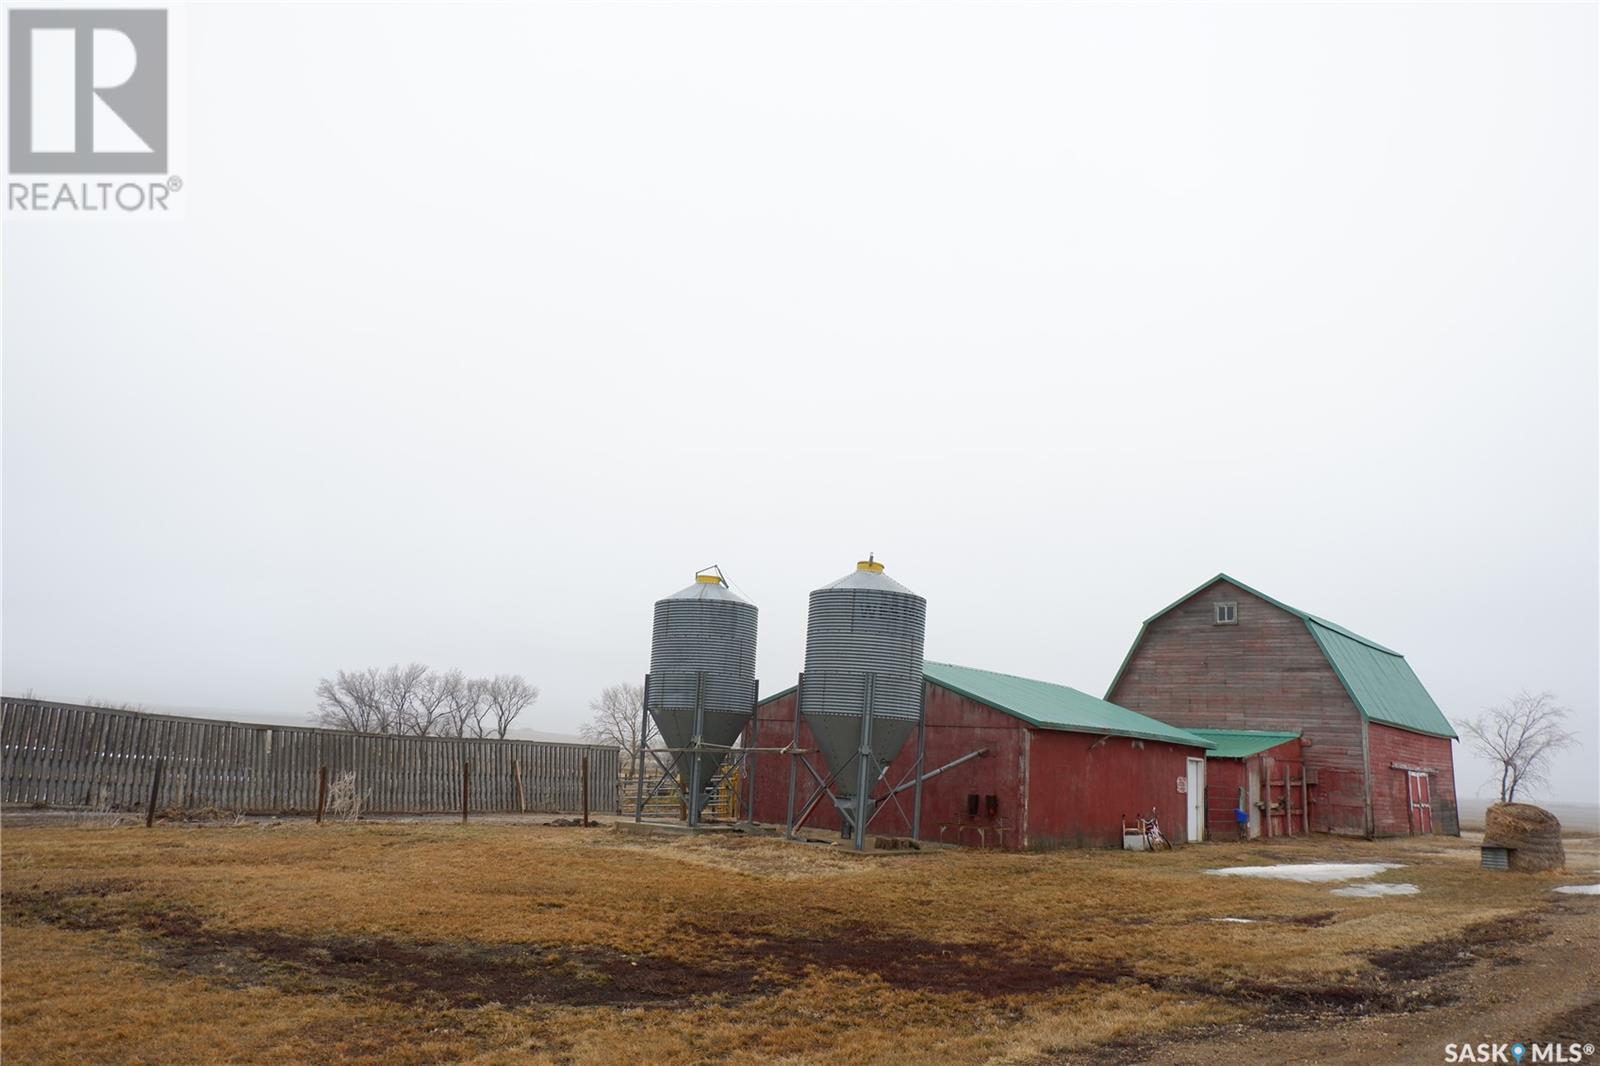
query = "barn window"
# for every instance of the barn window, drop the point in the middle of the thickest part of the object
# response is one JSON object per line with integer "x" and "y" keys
{"x": 1227, "y": 614}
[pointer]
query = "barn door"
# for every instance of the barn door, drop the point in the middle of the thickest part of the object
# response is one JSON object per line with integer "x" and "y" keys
{"x": 1197, "y": 799}
{"x": 1421, "y": 802}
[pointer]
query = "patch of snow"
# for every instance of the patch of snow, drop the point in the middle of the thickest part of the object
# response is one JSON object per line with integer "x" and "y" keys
{"x": 1379, "y": 888}
{"x": 1240, "y": 921}
{"x": 1580, "y": 890}
{"x": 1310, "y": 872}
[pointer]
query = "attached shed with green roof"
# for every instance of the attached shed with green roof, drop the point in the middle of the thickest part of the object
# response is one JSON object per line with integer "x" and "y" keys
{"x": 1259, "y": 774}
{"x": 1060, "y": 767}
{"x": 1377, "y": 748}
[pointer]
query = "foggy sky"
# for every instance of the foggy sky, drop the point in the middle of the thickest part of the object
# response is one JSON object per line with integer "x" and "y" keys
{"x": 487, "y": 326}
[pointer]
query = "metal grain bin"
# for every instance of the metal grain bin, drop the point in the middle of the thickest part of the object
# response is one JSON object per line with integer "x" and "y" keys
{"x": 864, "y": 634}
{"x": 703, "y": 649}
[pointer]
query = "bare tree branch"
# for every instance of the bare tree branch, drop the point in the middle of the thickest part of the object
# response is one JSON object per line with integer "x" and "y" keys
{"x": 465, "y": 707}
{"x": 416, "y": 701}
{"x": 397, "y": 691}
{"x": 1520, "y": 735}
{"x": 509, "y": 695}
{"x": 350, "y": 701}
{"x": 616, "y": 718}
{"x": 431, "y": 702}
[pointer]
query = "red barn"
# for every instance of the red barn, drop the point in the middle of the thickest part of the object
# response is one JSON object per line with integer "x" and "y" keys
{"x": 1060, "y": 766}
{"x": 1376, "y": 748}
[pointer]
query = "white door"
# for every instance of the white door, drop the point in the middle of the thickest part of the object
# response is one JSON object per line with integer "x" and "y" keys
{"x": 1197, "y": 799}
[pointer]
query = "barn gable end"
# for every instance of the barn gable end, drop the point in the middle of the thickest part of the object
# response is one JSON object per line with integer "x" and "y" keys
{"x": 1227, "y": 656}
{"x": 1262, "y": 672}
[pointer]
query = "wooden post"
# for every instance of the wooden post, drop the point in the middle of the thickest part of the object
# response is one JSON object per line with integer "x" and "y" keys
{"x": 1266, "y": 797}
{"x": 322, "y": 791}
{"x": 155, "y": 789}
{"x": 1288, "y": 803}
{"x": 516, "y": 786}
{"x": 584, "y": 764}
{"x": 466, "y": 789}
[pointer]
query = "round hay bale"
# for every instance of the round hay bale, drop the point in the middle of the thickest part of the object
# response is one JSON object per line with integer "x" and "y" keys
{"x": 1531, "y": 834}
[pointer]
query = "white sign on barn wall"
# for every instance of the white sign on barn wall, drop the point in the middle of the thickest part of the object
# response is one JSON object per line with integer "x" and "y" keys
{"x": 1183, "y": 784}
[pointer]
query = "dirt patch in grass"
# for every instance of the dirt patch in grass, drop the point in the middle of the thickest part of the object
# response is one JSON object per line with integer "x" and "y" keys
{"x": 988, "y": 968}
{"x": 1494, "y": 940}
{"x": 452, "y": 974}
{"x": 469, "y": 974}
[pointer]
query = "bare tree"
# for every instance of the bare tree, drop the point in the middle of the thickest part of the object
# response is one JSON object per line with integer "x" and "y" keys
{"x": 417, "y": 701}
{"x": 350, "y": 701}
{"x": 508, "y": 696}
{"x": 397, "y": 689}
{"x": 616, "y": 719}
{"x": 431, "y": 701}
{"x": 1521, "y": 735}
{"x": 466, "y": 706}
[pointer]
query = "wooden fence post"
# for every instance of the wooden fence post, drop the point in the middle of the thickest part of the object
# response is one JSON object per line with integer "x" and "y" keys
{"x": 516, "y": 786}
{"x": 322, "y": 791}
{"x": 155, "y": 788}
{"x": 466, "y": 789}
{"x": 584, "y": 763}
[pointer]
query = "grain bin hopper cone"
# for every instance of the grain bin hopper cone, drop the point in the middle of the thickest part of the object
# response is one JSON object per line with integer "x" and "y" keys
{"x": 701, "y": 689}
{"x": 861, "y": 695}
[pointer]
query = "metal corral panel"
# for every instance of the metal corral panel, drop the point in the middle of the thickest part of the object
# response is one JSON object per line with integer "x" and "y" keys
{"x": 1496, "y": 858}
{"x": 706, "y": 629}
{"x": 865, "y": 624}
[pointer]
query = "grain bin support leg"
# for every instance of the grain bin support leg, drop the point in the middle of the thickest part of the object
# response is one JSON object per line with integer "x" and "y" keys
{"x": 794, "y": 753}
{"x": 692, "y": 809}
{"x": 644, "y": 736}
{"x": 750, "y": 757}
{"x": 922, "y": 750}
{"x": 863, "y": 772}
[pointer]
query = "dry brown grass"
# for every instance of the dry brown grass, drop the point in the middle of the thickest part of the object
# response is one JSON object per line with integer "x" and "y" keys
{"x": 432, "y": 941}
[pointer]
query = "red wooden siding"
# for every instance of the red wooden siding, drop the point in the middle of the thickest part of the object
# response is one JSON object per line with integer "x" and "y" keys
{"x": 956, "y": 726}
{"x": 1227, "y": 778}
{"x": 1080, "y": 786}
{"x": 1265, "y": 672}
{"x": 1393, "y": 752}
{"x": 1051, "y": 788}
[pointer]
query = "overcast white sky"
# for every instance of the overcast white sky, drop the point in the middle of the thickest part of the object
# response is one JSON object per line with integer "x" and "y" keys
{"x": 488, "y": 325}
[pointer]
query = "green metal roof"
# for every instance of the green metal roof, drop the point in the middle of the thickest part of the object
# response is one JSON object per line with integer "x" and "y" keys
{"x": 1049, "y": 706}
{"x": 1046, "y": 706}
{"x": 1237, "y": 743}
{"x": 1379, "y": 680}
{"x": 764, "y": 700}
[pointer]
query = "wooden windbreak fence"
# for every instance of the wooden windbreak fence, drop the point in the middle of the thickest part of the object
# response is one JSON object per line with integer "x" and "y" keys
{"x": 66, "y": 755}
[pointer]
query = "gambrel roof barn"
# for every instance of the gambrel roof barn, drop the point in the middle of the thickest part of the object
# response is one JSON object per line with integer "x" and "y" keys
{"x": 1376, "y": 746}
